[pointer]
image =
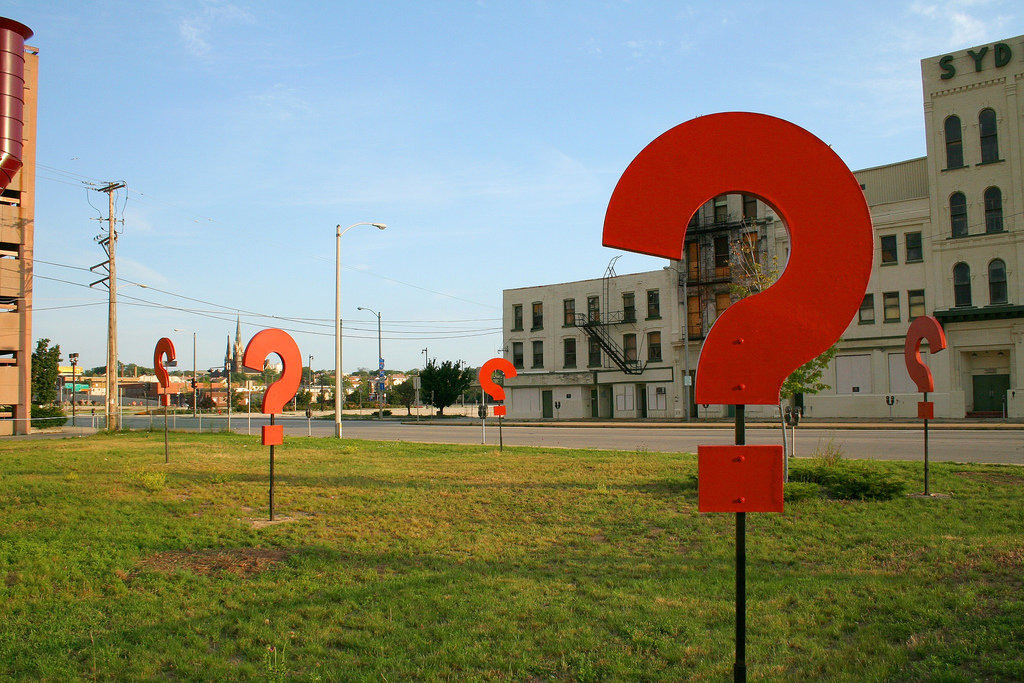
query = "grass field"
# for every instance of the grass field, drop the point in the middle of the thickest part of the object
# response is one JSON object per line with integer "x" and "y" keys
{"x": 407, "y": 561}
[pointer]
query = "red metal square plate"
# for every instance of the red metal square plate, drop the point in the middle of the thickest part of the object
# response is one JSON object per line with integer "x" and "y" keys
{"x": 739, "y": 478}
{"x": 926, "y": 410}
{"x": 273, "y": 435}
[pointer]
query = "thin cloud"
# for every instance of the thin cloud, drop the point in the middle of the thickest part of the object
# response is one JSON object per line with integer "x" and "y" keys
{"x": 195, "y": 30}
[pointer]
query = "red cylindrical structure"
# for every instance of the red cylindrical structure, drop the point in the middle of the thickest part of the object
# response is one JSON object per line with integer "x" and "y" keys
{"x": 12, "y": 96}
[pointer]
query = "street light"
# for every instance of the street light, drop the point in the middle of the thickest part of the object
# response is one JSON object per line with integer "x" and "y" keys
{"x": 339, "y": 388}
{"x": 682, "y": 278}
{"x": 380, "y": 366}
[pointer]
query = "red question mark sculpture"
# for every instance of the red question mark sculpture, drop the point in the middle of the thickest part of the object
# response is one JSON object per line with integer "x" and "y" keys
{"x": 488, "y": 384}
{"x": 280, "y": 392}
{"x": 925, "y": 327}
{"x": 757, "y": 342}
{"x": 164, "y": 350}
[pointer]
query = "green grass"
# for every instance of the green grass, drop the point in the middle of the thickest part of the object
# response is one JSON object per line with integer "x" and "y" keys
{"x": 408, "y": 561}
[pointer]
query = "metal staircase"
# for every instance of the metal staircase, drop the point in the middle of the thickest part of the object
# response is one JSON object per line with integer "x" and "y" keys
{"x": 598, "y": 331}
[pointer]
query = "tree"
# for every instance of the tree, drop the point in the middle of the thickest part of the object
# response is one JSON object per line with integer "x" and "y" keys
{"x": 405, "y": 394}
{"x": 45, "y": 371}
{"x": 444, "y": 382}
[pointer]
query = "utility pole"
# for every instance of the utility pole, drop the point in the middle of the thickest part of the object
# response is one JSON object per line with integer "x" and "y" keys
{"x": 109, "y": 244}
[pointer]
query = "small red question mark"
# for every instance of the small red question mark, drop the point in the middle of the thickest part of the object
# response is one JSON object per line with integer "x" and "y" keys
{"x": 488, "y": 384}
{"x": 164, "y": 349}
{"x": 280, "y": 392}
{"x": 760, "y": 340}
{"x": 925, "y": 327}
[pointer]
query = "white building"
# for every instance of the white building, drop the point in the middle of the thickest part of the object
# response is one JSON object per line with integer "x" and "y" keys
{"x": 949, "y": 236}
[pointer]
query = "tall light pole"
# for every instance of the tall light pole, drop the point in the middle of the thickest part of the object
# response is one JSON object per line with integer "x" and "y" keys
{"x": 683, "y": 275}
{"x": 380, "y": 366}
{"x": 339, "y": 388}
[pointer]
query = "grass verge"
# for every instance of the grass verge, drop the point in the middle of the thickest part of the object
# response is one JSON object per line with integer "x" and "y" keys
{"x": 406, "y": 561}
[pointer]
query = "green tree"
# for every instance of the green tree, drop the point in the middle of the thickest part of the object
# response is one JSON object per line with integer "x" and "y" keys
{"x": 404, "y": 394}
{"x": 445, "y": 382}
{"x": 45, "y": 371}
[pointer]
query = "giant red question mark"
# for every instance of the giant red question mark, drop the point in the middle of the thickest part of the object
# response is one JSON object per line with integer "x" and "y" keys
{"x": 925, "y": 327}
{"x": 758, "y": 341}
{"x": 280, "y": 392}
{"x": 164, "y": 349}
{"x": 488, "y": 384}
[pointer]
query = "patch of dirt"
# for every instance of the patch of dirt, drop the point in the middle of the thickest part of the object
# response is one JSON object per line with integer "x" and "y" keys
{"x": 243, "y": 562}
{"x": 263, "y": 522}
{"x": 992, "y": 477}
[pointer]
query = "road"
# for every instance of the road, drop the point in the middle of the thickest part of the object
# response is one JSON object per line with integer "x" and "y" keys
{"x": 959, "y": 445}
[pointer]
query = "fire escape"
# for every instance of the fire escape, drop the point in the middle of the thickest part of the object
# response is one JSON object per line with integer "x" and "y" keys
{"x": 596, "y": 325}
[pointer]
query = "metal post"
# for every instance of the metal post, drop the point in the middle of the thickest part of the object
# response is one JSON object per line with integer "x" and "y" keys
{"x": 74, "y": 385}
{"x": 739, "y": 671}
{"x": 380, "y": 386}
{"x": 686, "y": 344}
{"x": 227, "y": 370}
{"x": 271, "y": 475}
{"x": 926, "y": 450}
{"x": 339, "y": 391}
{"x": 501, "y": 443}
{"x": 195, "y": 381}
{"x": 167, "y": 457}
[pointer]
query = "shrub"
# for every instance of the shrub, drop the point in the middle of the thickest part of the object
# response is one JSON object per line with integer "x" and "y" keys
{"x": 801, "y": 490}
{"x": 48, "y": 416}
{"x": 848, "y": 482}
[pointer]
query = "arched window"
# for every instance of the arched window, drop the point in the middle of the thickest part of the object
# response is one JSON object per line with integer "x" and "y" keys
{"x": 961, "y": 284}
{"x": 958, "y": 214}
{"x": 954, "y": 143}
{"x": 997, "y": 282}
{"x": 993, "y": 210}
{"x": 989, "y": 136}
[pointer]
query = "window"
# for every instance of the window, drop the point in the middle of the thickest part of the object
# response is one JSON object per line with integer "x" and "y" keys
{"x": 653, "y": 304}
{"x": 989, "y": 136}
{"x": 958, "y": 214}
{"x": 628, "y": 307}
{"x": 915, "y": 303}
{"x": 593, "y": 309}
{"x": 722, "y": 301}
{"x": 954, "y": 143}
{"x": 517, "y": 354}
{"x": 569, "y": 312}
{"x": 914, "y": 251}
{"x": 993, "y": 210}
{"x": 654, "y": 346}
{"x": 749, "y": 207}
{"x": 866, "y": 315}
{"x": 891, "y": 307}
{"x": 517, "y": 317}
{"x": 538, "y": 316}
{"x": 538, "y": 354}
{"x": 997, "y": 282}
{"x": 593, "y": 353}
{"x": 722, "y": 256}
{"x": 694, "y": 328}
{"x": 889, "y": 250}
{"x": 629, "y": 347}
{"x": 721, "y": 209}
{"x": 693, "y": 260}
{"x": 961, "y": 284}
{"x": 569, "y": 352}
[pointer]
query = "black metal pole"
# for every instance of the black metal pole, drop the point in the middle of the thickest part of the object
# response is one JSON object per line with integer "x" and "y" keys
{"x": 501, "y": 444}
{"x": 739, "y": 670}
{"x": 167, "y": 457}
{"x": 271, "y": 475}
{"x": 926, "y": 449}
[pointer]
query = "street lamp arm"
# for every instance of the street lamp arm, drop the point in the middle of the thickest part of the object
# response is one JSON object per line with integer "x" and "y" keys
{"x": 379, "y": 226}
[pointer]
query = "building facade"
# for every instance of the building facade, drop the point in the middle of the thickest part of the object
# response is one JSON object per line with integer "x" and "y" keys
{"x": 949, "y": 237}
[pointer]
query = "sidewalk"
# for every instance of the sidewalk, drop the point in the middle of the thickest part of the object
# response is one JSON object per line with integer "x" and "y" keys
{"x": 805, "y": 423}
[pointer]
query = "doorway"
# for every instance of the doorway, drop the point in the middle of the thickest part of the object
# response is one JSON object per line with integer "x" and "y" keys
{"x": 990, "y": 392}
{"x": 547, "y": 404}
{"x": 641, "y": 400}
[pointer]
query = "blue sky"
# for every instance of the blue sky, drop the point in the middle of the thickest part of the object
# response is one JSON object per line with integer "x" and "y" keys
{"x": 487, "y": 135}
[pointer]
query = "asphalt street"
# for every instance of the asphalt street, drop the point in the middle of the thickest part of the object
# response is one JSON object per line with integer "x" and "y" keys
{"x": 956, "y": 445}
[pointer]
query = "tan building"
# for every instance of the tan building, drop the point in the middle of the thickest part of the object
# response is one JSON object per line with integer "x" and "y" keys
{"x": 949, "y": 239}
{"x": 17, "y": 223}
